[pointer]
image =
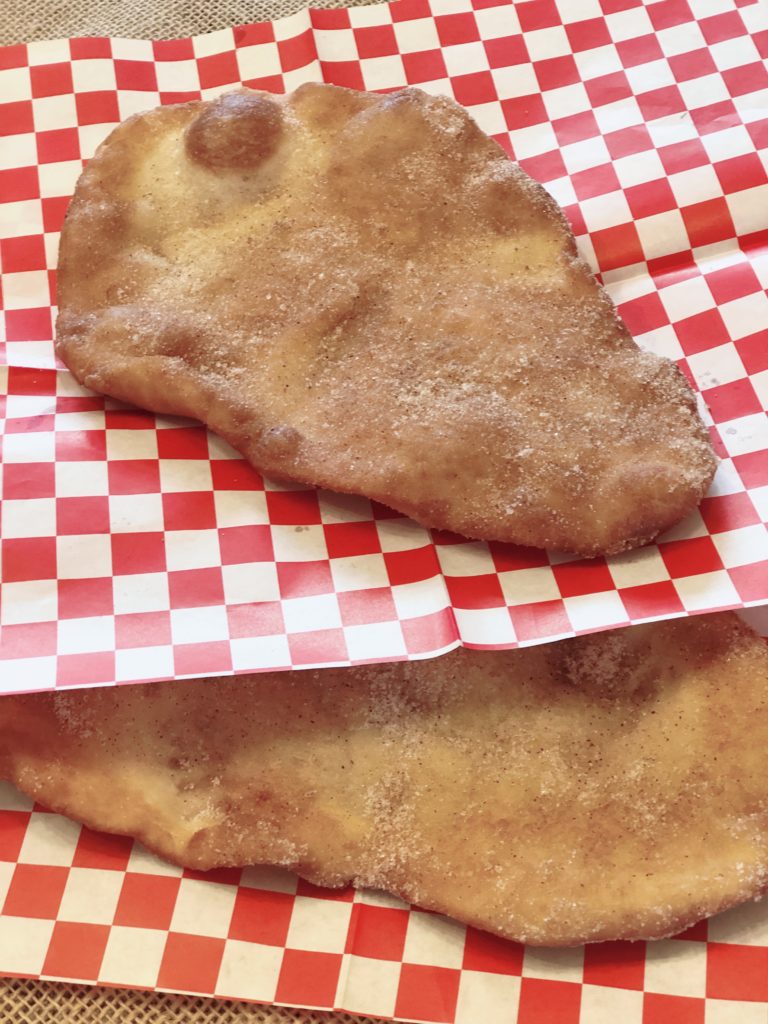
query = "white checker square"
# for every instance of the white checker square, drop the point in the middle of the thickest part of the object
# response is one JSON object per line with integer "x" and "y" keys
{"x": 319, "y": 925}
{"x": 579, "y": 10}
{"x": 29, "y": 601}
{"x": 293, "y": 79}
{"x": 716, "y": 366}
{"x": 587, "y": 610}
{"x": 139, "y": 663}
{"x": 606, "y": 211}
{"x": 603, "y": 1005}
{"x": 707, "y": 591}
{"x": 22, "y": 218}
{"x": 48, "y": 51}
{"x": 516, "y": 80}
{"x": 49, "y": 839}
{"x": 132, "y": 956}
{"x": 84, "y": 556}
{"x": 760, "y": 384}
{"x": 262, "y": 876}
{"x": 81, "y": 479}
{"x": 744, "y": 546}
{"x": 18, "y": 150}
{"x": 21, "y": 675}
{"x": 93, "y": 74}
{"x": 203, "y": 908}
{"x": 192, "y": 549}
{"x": 249, "y": 971}
{"x": 24, "y": 944}
{"x": 543, "y": 43}
{"x": 467, "y": 559}
{"x": 320, "y": 611}
{"x": 741, "y": 316}
{"x": 686, "y": 298}
{"x": 635, "y": 568}
{"x": 344, "y": 508}
{"x": 486, "y": 997}
{"x": 527, "y": 586}
{"x": 744, "y": 208}
{"x": 683, "y": 38}
{"x": 332, "y": 44}
{"x": 434, "y": 940}
{"x": 484, "y": 626}
{"x": 141, "y": 592}
{"x": 629, "y": 24}
{"x": 132, "y": 513}
{"x": 580, "y": 156}
{"x": 180, "y": 75}
{"x": 383, "y": 72}
{"x": 254, "y": 653}
{"x": 722, "y": 1011}
{"x": 91, "y": 420}
{"x": 695, "y": 185}
{"x": 145, "y": 863}
{"x": 377, "y": 898}
{"x": 727, "y": 479}
{"x": 663, "y": 341}
{"x": 15, "y": 85}
{"x": 90, "y": 895}
{"x": 420, "y": 598}
{"x": 359, "y": 572}
{"x": 465, "y": 58}
{"x": 746, "y": 434}
{"x": 51, "y": 246}
{"x": 419, "y": 35}
{"x": 6, "y": 873}
{"x": 746, "y": 925}
{"x": 734, "y": 53}
{"x": 89, "y": 634}
{"x": 562, "y": 191}
{"x": 59, "y": 179}
{"x": 662, "y": 233}
{"x": 199, "y": 625}
{"x": 571, "y": 98}
{"x": 258, "y": 61}
{"x": 402, "y": 535}
{"x": 374, "y": 641}
{"x": 727, "y": 143}
{"x": 250, "y": 582}
{"x": 182, "y": 475}
{"x": 646, "y": 77}
{"x": 602, "y": 60}
{"x": 701, "y": 92}
{"x": 302, "y": 544}
{"x": 217, "y": 42}
{"x": 565, "y": 964}
{"x": 25, "y": 289}
{"x": 370, "y": 986}
{"x": 28, "y": 517}
{"x": 52, "y": 112}
{"x": 130, "y": 103}
{"x": 677, "y": 968}
{"x": 668, "y": 130}
{"x": 240, "y": 508}
{"x": 131, "y": 444}
{"x": 132, "y": 49}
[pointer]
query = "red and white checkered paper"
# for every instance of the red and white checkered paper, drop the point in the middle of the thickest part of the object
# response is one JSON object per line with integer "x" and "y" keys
{"x": 79, "y": 905}
{"x": 137, "y": 547}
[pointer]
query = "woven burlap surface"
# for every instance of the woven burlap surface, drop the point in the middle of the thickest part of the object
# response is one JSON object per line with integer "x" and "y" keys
{"x": 34, "y": 1002}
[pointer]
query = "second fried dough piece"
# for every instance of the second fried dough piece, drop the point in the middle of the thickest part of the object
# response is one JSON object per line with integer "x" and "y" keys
{"x": 612, "y": 786}
{"x": 363, "y": 293}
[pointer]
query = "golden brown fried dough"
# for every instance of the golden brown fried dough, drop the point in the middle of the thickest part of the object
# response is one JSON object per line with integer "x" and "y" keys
{"x": 612, "y": 786}
{"x": 362, "y": 292}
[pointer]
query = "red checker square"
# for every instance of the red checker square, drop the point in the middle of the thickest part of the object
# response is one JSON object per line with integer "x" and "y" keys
{"x": 546, "y": 166}
{"x": 720, "y": 27}
{"x": 81, "y": 446}
{"x": 412, "y": 566}
{"x": 26, "y": 252}
{"x": 308, "y": 979}
{"x": 346, "y": 73}
{"x": 82, "y": 598}
{"x": 16, "y": 118}
{"x": 758, "y": 130}
{"x": 327, "y": 19}
{"x": 524, "y": 111}
{"x": 618, "y": 246}
{"x": 375, "y": 41}
{"x": 427, "y": 993}
{"x": 142, "y": 629}
{"x": 650, "y": 198}
{"x": 728, "y": 512}
{"x": 85, "y": 669}
{"x": 556, "y": 72}
{"x": 24, "y": 380}
{"x": 147, "y": 901}
{"x": 297, "y": 52}
{"x": 740, "y": 172}
{"x": 35, "y": 891}
{"x": 99, "y": 850}
{"x": 319, "y": 645}
{"x": 222, "y": 876}
{"x": 751, "y": 581}
{"x": 53, "y": 212}
{"x": 608, "y": 89}
{"x": 588, "y": 35}
{"x": 29, "y": 480}
{"x": 491, "y": 954}
{"x": 58, "y": 144}
{"x": 304, "y": 579}
{"x": 708, "y": 222}
{"x": 85, "y": 49}
{"x": 137, "y": 553}
{"x": 19, "y": 183}
{"x": 29, "y": 424}
{"x": 651, "y": 599}
{"x": 190, "y": 963}
{"x": 209, "y": 658}
{"x": 695, "y": 64}
{"x": 268, "y": 83}
{"x": 133, "y": 476}
{"x": 701, "y": 332}
{"x": 475, "y": 88}
{"x": 733, "y": 282}
{"x": 698, "y": 932}
{"x": 195, "y": 588}
{"x": 539, "y": 620}
{"x": 377, "y": 932}
{"x": 169, "y": 98}
{"x": 760, "y": 39}
{"x": 645, "y": 313}
{"x": 293, "y": 508}
{"x": 362, "y": 607}
{"x": 483, "y": 591}
{"x": 714, "y": 117}
{"x": 556, "y": 1002}
{"x": 262, "y": 619}
{"x": 82, "y": 515}
{"x": 453, "y": 29}
{"x": 753, "y": 351}
{"x": 137, "y": 75}
{"x": 427, "y": 633}
{"x": 690, "y": 557}
{"x": 28, "y": 640}
{"x": 641, "y": 50}
{"x": 13, "y": 828}
{"x": 321, "y": 892}
{"x": 614, "y": 6}
{"x": 408, "y": 10}
{"x": 508, "y": 557}
{"x": 240, "y": 544}
{"x": 737, "y": 972}
{"x": 29, "y": 558}
{"x": 426, "y": 66}
{"x": 506, "y": 52}
{"x": 182, "y": 443}
{"x": 595, "y": 181}
{"x": 588, "y": 576}
{"x": 193, "y": 510}
{"x": 576, "y": 127}
{"x": 15, "y": 56}
{"x": 76, "y": 950}
{"x": 615, "y": 964}
{"x": 682, "y": 156}
{"x": 218, "y": 69}
{"x": 173, "y": 49}
{"x": 51, "y": 80}
{"x": 752, "y": 468}
{"x": 659, "y": 1009}
{"x": 97, "y": 107}
{"x": 346, "y": 539}
{"x": 728, "y": 401}
{"x": 28, "y": 324}
{"x": 669, "y": 13}
{"x": 234, "y": 475}
{"x": 261, "y": 916}
{"x": 534, "y": 14}
{"x": 661, "y": 102}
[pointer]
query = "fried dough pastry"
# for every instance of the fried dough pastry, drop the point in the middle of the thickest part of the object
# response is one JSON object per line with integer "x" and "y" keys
{"x": 364, "y": 293}
{"x": 611, "y": 786}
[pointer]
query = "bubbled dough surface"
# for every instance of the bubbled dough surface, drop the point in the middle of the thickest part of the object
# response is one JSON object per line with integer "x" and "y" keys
{"x": 362, "y": 292}
{"x": 611, "y": 786}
